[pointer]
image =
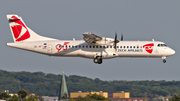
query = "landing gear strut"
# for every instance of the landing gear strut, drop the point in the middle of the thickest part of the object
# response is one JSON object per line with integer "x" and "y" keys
{"x": 98, "y": 59}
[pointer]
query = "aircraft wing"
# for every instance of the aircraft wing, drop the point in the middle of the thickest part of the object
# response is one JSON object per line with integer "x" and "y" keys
{"x": 91, "y": 38}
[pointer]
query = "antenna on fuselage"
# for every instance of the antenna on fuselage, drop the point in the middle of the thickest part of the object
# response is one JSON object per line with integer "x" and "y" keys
{"x": 74, "y": 39}
{"x": 152, "y": 39}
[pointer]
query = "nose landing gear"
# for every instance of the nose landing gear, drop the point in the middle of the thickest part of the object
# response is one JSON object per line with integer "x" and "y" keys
{"x": 164, "y": 59}
{"x": 98, "y": 59}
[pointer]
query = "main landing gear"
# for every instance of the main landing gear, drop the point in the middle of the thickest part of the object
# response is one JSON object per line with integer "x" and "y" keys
{"x": 164, "y": 59}
{"x": 98, "y": 59}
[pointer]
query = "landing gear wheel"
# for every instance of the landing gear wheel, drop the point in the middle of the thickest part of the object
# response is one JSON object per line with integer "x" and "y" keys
{"x": 95, "y": 60}
{"x": 164, "y": 61}
{"x": 99, "y": 61}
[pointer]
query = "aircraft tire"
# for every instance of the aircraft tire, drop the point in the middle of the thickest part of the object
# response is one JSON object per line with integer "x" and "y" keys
{"x": 99, "y": 61}
{"x": 164, "y": 61}
{"x": 95, "y": 60}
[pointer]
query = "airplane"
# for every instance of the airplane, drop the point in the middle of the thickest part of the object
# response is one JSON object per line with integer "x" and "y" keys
{"x": 92, "y": 47}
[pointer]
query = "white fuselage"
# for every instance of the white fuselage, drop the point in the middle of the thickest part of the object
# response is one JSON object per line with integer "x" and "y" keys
{"x": 93, "y": 46}
{"x": 69, "y": 48}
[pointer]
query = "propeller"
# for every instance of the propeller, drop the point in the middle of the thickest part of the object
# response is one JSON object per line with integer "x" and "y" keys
{"x": 115, "y": 41}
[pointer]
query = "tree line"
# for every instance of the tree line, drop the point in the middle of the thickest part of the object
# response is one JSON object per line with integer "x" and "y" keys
{"x": 48, "y": 84}
{"x": 21, "y": 95}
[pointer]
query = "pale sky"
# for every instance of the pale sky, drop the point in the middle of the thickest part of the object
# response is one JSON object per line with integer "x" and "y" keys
{"x": 142, "y": 20}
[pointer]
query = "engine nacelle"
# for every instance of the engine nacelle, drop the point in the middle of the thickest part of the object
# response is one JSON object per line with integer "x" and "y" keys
{"x": 106, "y": 41}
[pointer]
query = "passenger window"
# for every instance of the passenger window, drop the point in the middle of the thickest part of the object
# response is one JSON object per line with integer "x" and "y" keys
{"x": 75, "y": 46}
{"x": 93, "y": 46}
{"x": 137, "y": 46}
{"x": 100, "y": 46}
{"x": 69, "y": 46}
{"x": 72, "y": 46}
{"x": 86, "y": 46}
{"x": 130, "y": 46}
{"x": 82, "y": 46}
{"x": 117, "y": 46}
{"x": 124, "y": 46}
{"x": 107, "y": 47}
{"x": 134, "y": 46}
{"x": 127, "y": 46}
{"x": 140, "y": 46}
{"x": 158, "y": 45}
{"x": 104, "y": 47}
{"x": 96, "y": 46}
{"x": 89, "y": 46}
{"x": 120, "y": 46}
{"x": 110, "y": 46}
{"x": 79, "y": 46}
{"x": 62, "y": 46}
{"x": 35, "y": 46}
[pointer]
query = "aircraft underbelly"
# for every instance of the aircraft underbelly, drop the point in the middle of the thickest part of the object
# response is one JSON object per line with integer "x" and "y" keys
{"x": 133, "y": 54}
{"x": 86, "y": 54}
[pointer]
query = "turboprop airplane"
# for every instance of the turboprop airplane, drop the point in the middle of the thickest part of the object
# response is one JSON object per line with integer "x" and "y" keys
{"x": 92, "y": 47}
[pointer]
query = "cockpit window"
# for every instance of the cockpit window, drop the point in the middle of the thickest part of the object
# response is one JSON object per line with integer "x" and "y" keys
{"x": 162, "y": 45}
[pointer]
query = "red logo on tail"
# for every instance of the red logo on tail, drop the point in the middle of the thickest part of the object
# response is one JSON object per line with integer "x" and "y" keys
{"x": 149, "y": 47}
{"x": 19, "y": 30}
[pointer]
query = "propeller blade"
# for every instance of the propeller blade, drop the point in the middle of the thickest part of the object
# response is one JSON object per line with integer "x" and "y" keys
{"x": 115, "y": 37}
{"x": 115, "y": 41}
{"x": 121, "y": 37}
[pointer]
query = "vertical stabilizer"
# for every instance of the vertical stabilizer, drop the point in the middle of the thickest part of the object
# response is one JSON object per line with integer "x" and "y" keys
{"x": 21, "y": 32}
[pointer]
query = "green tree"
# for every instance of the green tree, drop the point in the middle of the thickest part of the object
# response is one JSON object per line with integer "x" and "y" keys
{"x": 71, "y": 99}
{"x": 94, "y": 97}
{"x": 65, "y": 96}
{"x": 175, "y": 97}
{"x": 48, "y": 84}
{"x": 39, "y": 98}
{"x": 80, "y": 98}
{"x": 30, "y": 99}
{"x": 97, "y": 97}
{"x": 14, "y": 98}
{"x": 4, "y": 95}
{"x": 22, "y": 93}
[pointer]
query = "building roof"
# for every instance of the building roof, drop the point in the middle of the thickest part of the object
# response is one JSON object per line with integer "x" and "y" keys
{"x": 63, "y": 88}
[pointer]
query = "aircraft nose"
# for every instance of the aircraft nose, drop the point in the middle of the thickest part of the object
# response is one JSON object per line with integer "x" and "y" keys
{"x": 172, "y": 51}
